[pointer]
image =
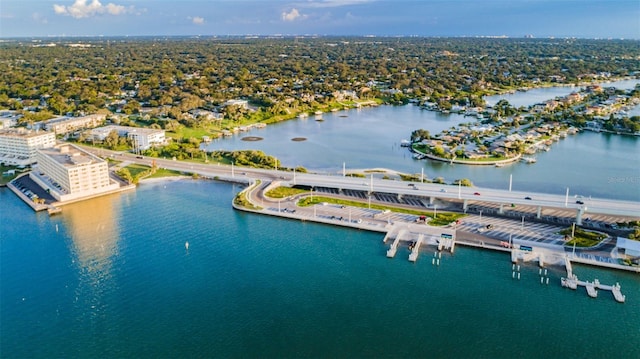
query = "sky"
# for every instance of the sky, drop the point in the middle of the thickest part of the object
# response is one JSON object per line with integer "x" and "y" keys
{"x": 512, "y": 18}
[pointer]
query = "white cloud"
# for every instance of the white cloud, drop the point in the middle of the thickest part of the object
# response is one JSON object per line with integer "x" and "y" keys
{"x": 198, "y": 20}
{"x": 39, "y": 18}
{"x": 292, "y": 15}
{"x": 81, "y": 9}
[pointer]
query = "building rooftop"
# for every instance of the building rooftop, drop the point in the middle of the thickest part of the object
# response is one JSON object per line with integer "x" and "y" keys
{"x": 70, "y": 156}
{"x": 21, "y": 132}
{"x": 126, "y": 129}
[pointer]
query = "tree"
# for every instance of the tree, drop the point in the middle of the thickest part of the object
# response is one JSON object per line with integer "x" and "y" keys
{"x": 419, "y": 135}
{"x": 112, "y": 139}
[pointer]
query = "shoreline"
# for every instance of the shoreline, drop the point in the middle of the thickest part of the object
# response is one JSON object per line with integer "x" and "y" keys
{"x": 366, "y": 224}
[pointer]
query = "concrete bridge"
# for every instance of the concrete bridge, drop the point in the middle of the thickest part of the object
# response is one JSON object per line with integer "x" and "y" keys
{"x": 371, "y": 185}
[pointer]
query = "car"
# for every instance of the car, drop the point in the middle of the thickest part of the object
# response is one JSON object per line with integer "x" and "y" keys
{"x": 140, "y": 157}
{"x": 476, "y": 193}
{"x": 579, "y": 202}
{"x": 443, "y": 190}
{"x": 528, "y": 198}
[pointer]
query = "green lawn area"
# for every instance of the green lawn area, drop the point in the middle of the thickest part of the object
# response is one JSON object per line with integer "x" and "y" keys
{"x": 136, "y": 169}
{"x": 283, "y": 192}
{"x": 442, "y": 218}
{"x": 187, "y": 132}
{"x": 162, "y": 172}
{"x": 583, "y": 238}
{"x": 6, "y": 179}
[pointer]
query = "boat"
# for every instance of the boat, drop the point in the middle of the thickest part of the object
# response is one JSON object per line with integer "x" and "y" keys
{"x": 405, "y": 143}
{"x": 499, "y": 164}
{"x": 529, "y": 159}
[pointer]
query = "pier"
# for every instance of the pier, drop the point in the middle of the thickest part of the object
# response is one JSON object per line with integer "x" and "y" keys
{"x": 572, "y": 282}
{"x": 416, "y": 247}
{"x": 394, "y": 246}
{"x": 418, "y": 235}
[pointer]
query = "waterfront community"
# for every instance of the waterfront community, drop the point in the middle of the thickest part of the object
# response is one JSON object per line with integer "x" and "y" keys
{"x": 140, "y": 122}
{"x": 84, "y": 146}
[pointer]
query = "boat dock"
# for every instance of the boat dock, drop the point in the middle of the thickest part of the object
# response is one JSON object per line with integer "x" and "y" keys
{"x": 572, "y": 282}
{"x": 391, "y": 252}
{"x": 416, "y": 247}
{"x": 418, "y": 235}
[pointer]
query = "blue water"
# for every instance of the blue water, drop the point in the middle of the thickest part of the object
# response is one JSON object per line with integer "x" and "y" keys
{"x": 590, "y": 164}
{"x": 115, "y": 280}
{"x": 539, "y": 95}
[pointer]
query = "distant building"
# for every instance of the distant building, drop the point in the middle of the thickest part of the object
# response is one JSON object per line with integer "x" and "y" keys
{"x": 142, "y": 138}
{"x": 240, "y": 103}
{"x": 63, "y": 125}
{"x": 18, "y": 146}
{"x": 68, "y": 172}
{"x": 8, "y": 119}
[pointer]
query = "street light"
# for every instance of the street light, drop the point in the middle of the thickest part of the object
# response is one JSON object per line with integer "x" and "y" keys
{"x": 522, "y": 225}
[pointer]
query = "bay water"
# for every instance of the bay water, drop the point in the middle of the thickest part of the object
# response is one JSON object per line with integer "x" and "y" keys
{"x": 112, "y": 277}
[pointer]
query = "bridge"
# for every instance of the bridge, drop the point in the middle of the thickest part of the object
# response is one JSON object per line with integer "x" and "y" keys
{"x": 469, "y": 195}
{"x": 371, "y": 185}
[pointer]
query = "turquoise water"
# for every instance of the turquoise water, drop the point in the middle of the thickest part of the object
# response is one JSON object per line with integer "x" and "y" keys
{"x": 115, "y": 280}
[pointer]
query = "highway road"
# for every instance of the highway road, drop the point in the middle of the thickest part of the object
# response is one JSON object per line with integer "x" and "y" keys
{"x": 372, "y": 184}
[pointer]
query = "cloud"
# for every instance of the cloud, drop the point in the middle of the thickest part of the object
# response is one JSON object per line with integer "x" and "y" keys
{"x": 198, "y": 20}
{"x": 39, "y": 18}
{"x": 81, "y": 9}
{"x": 292, "y": 15}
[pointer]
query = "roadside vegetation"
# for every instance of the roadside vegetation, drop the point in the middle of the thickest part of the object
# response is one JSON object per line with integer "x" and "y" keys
{"x": 441, "y": 218}
{"x": 242, "y": 200}
{"x": 283, "y": 192}
{"x": 133, "y": 173}
{"x": 6, "y": 177}
{"x": 582, "y": 237}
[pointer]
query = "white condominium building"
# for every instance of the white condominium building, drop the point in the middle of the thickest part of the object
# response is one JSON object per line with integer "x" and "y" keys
{"x": 62, "y": 125}
{"x": 71, "y": 173}
{"x": 18, "y": 146}
{"x": 142, "y": 138}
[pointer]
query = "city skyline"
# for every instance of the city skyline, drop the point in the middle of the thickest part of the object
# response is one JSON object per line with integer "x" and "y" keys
{"x": 518, "y": 18}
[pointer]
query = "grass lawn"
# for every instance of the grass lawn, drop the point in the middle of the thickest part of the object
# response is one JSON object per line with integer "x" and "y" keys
{"x": 186, "y": 132}
{"x": 162, "y": 172}
{"x": 442, "y": 218}
{"x": 583, "y": 238}
{"x": 6, "y": 179}
{"x": 136, "y": 169}
{"x": 283, "y": 192}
